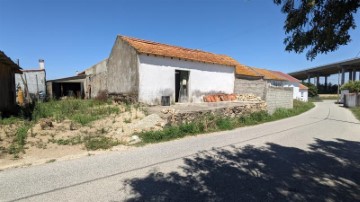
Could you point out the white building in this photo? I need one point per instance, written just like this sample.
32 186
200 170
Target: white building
34 78
150 70
300 92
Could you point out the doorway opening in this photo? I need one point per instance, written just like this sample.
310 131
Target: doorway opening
181 85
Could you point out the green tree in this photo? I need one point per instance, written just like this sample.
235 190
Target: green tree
320 26
312 91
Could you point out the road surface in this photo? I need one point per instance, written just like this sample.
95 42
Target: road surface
311 157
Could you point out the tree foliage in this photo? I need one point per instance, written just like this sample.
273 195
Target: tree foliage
312 91
320 26
352 86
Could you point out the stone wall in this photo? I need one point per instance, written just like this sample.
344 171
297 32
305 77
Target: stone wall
250 86
241 109
96 77
278 97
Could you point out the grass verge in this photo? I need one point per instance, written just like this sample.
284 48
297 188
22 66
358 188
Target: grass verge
215 123
356 112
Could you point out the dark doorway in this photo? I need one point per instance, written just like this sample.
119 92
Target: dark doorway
181 85
67 89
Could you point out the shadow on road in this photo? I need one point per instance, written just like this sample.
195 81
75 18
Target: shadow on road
329 171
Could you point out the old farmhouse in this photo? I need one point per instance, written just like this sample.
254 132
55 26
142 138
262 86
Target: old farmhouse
148 71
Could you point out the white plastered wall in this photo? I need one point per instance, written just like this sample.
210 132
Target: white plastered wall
157 78
304 96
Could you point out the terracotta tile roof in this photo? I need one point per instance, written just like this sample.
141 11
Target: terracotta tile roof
286 76
268 75
303 87
247 71
159 49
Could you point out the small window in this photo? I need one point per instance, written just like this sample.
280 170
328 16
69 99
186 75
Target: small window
302 94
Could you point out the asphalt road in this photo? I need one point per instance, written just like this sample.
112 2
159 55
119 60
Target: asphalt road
311 157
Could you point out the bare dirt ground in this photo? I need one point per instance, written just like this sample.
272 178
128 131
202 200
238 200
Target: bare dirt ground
55 141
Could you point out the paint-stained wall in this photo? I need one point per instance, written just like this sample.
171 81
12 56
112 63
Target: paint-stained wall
36 81
157 78
122 76
96 77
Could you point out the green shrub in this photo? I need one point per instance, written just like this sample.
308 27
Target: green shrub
225 123
312 89
19 140
352 86
99 142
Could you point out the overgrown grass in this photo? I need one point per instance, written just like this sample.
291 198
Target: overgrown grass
68 141
356 112
80 111
215 123
10 120
90 142
100 142
315 99
19 140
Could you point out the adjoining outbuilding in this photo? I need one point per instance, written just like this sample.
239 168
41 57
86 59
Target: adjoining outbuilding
265 84
95 79
7 84
66 87
300 91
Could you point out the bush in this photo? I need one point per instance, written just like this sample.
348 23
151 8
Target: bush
352 86
100 142
312 91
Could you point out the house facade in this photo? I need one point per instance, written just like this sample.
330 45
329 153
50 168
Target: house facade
300 92
148 71
7 84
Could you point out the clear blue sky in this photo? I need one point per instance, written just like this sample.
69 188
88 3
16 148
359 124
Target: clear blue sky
74 35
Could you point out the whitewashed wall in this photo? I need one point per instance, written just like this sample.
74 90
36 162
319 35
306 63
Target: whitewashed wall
297 93
304 96
36 81
157 78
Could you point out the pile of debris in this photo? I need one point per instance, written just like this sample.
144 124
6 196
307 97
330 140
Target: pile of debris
230 97
219 97
247 97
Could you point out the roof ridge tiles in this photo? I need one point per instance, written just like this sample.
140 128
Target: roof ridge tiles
173 46
166 50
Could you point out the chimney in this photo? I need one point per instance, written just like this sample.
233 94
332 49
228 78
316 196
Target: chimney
41 64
